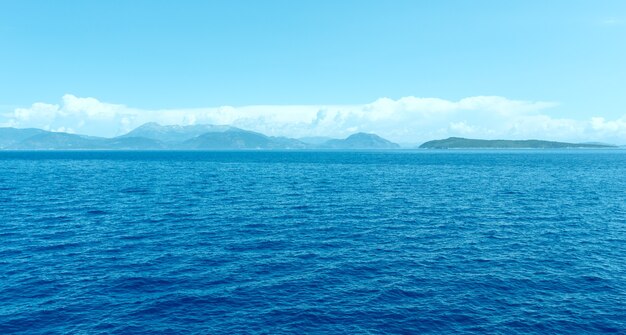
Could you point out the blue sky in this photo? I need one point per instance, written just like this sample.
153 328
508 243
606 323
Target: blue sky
178 55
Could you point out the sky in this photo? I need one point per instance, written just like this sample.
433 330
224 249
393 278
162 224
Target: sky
407 70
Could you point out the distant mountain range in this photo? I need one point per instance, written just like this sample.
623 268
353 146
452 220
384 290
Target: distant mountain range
466 143
152 136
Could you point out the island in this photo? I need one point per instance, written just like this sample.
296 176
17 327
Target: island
468 143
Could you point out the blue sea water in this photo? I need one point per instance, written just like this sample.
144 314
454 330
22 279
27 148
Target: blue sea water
499 242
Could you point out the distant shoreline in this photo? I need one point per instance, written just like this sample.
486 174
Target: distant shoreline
155 137
398 150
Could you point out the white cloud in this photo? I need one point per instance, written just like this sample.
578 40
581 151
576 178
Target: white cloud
617 127
405 120
91 107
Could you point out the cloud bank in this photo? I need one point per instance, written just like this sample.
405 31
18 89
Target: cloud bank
406 120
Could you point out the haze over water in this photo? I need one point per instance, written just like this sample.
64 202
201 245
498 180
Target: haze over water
506 242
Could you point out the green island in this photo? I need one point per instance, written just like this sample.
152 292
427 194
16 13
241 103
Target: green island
468 143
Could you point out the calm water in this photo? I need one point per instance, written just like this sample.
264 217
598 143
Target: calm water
303 242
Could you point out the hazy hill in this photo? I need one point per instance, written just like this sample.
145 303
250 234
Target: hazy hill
175 133
466 143
361 141
314 140
59 141
12 136
240 139
134 143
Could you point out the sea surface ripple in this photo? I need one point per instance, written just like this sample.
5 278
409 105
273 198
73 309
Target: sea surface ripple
505 242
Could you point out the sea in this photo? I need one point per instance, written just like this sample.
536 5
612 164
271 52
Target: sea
304 242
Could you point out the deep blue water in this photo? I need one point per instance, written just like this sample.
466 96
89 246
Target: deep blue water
313 242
